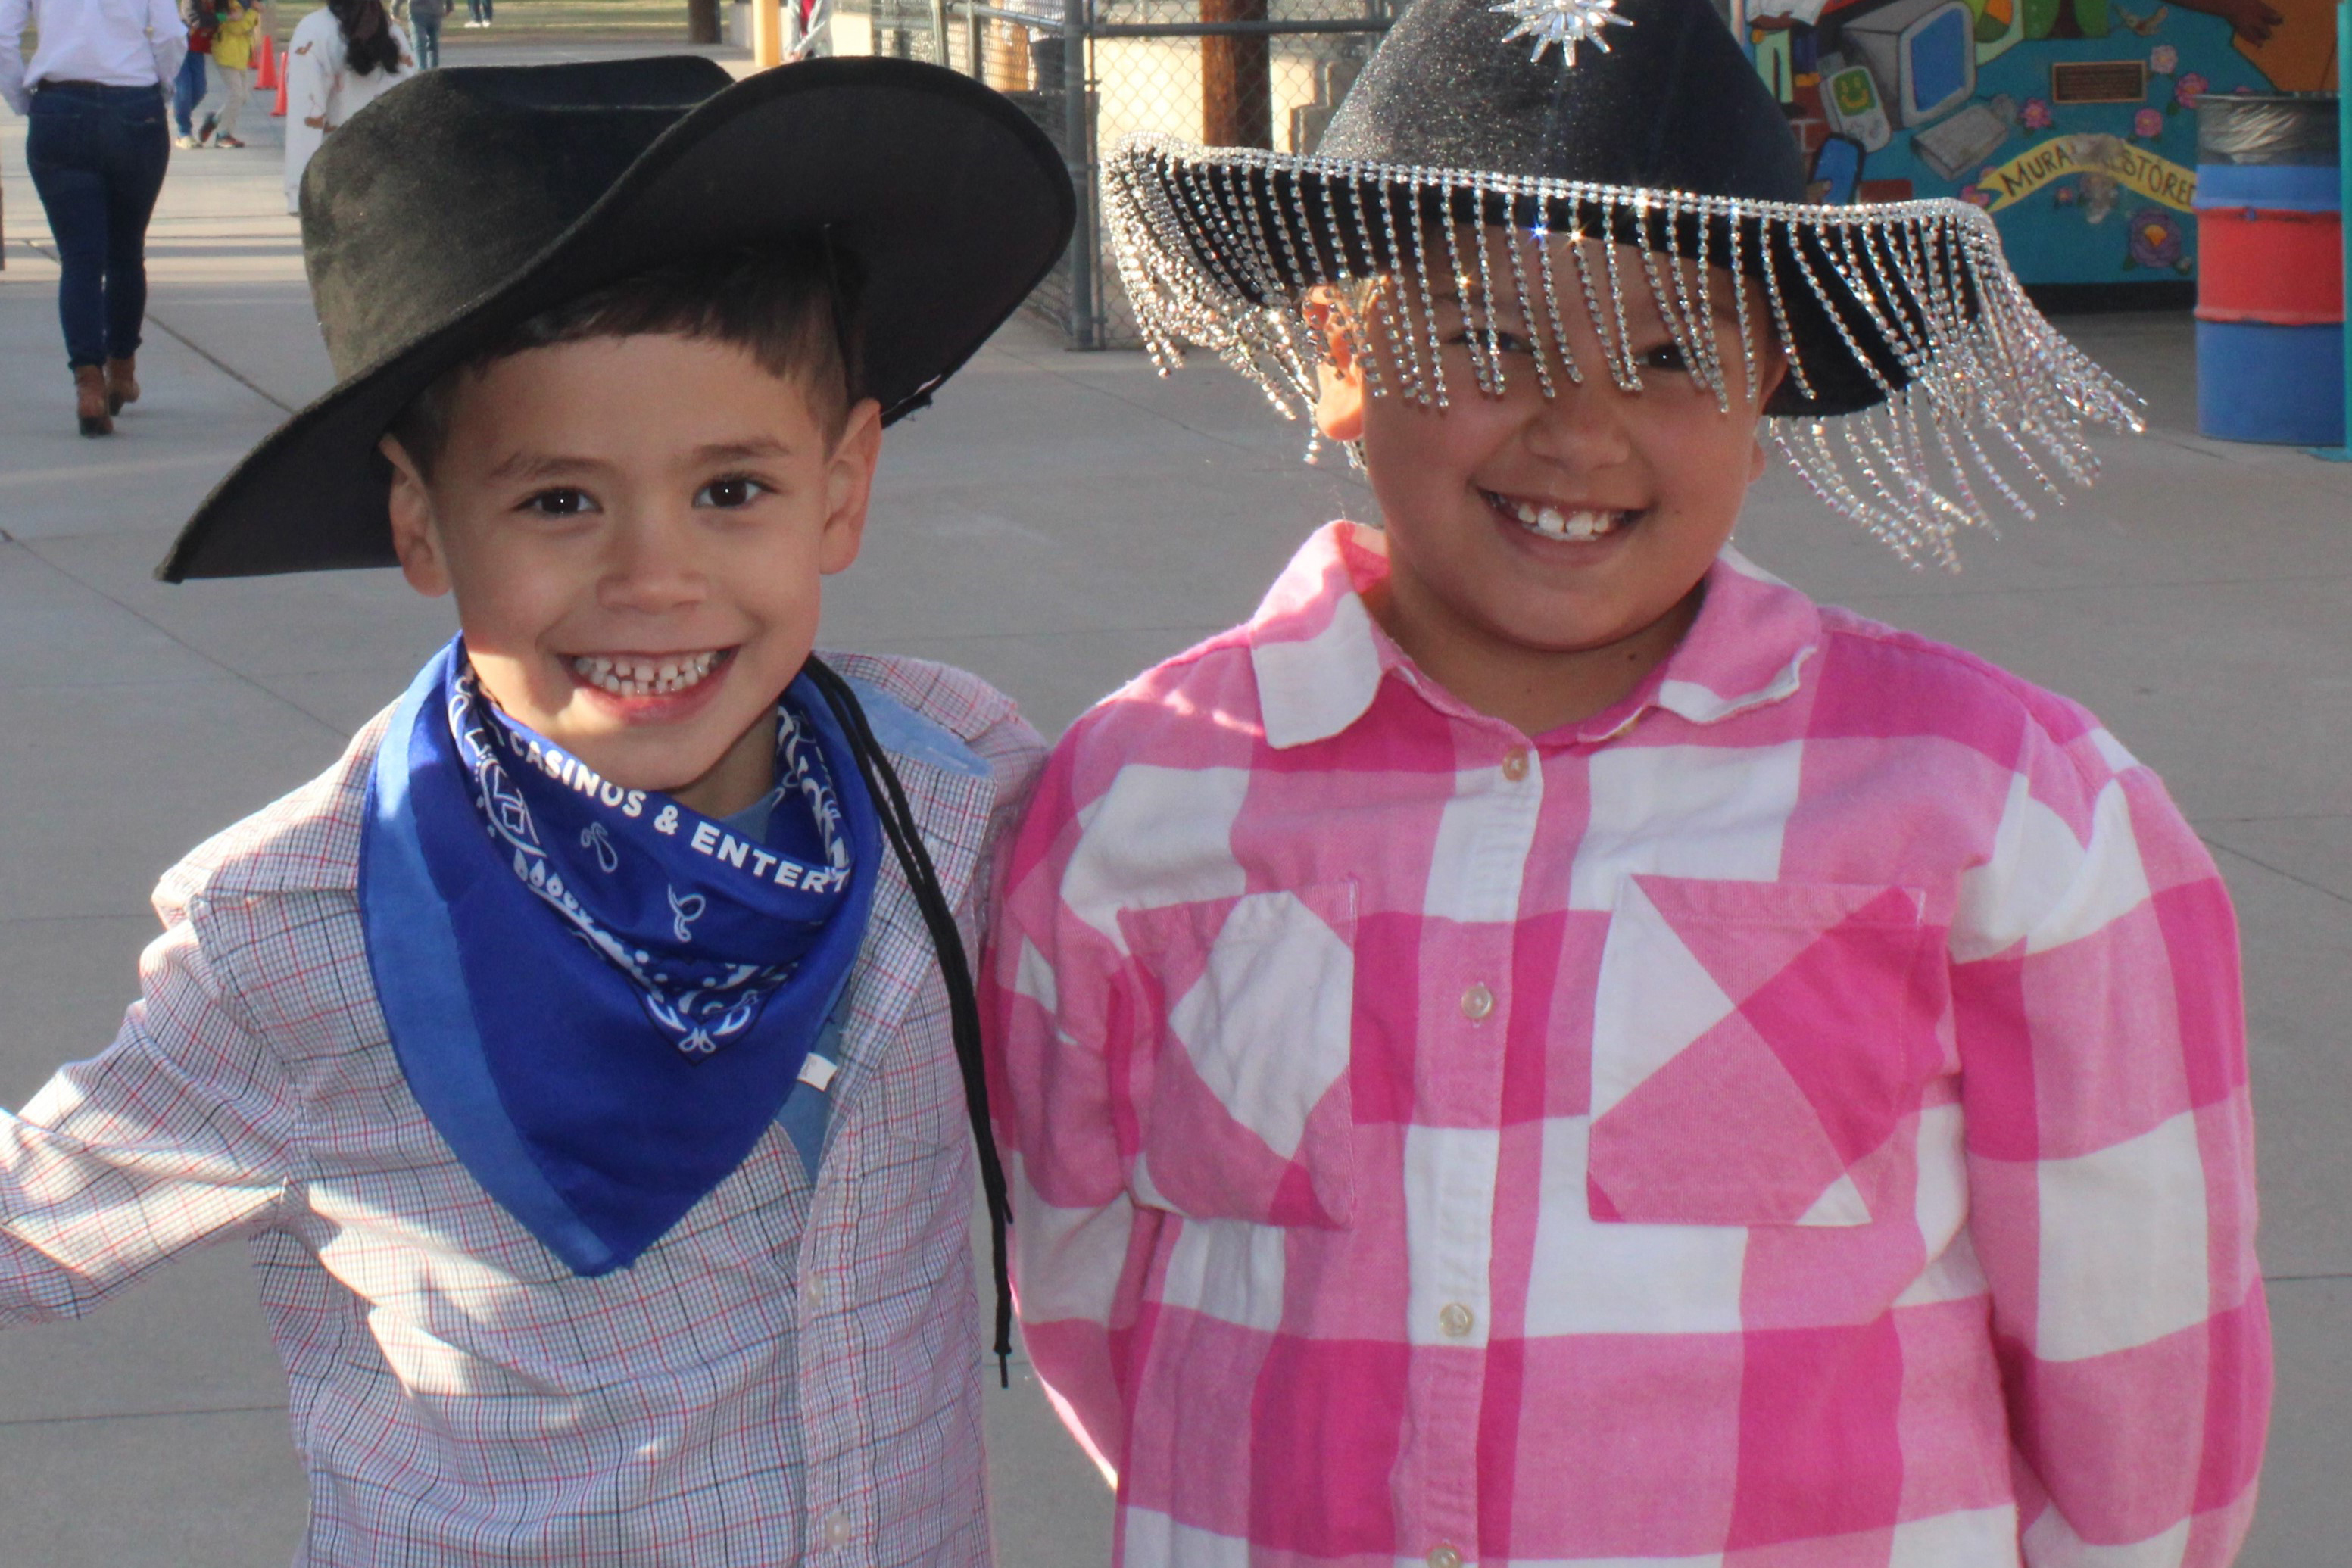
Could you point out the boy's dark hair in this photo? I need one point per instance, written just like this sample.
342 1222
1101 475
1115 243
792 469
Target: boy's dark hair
794 306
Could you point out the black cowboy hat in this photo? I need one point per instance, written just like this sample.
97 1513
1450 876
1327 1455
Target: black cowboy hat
1646 124
462 202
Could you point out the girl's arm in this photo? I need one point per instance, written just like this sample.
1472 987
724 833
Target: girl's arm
2111 1167
1066 1121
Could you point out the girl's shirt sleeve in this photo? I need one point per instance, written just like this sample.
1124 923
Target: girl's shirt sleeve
1059 1051
2111 1165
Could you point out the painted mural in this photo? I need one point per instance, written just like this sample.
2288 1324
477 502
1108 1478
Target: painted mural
2071 120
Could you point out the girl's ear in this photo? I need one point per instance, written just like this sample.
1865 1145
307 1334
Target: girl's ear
415 538
1339 380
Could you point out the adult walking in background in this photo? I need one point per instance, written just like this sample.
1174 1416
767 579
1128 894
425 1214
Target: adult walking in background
341 59
481 13
188 84
96 148
233 63
424 21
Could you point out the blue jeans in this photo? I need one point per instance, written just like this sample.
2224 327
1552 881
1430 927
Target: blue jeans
97 157
428 40
481 8
188 91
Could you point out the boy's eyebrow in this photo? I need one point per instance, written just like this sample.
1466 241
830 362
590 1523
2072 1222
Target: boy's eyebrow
545 465
756 446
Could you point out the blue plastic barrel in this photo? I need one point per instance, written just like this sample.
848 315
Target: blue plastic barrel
2270 315
2256 381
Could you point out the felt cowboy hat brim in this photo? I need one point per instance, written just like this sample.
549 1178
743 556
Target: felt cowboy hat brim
463 203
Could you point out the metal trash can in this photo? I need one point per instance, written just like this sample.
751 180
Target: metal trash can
2270 271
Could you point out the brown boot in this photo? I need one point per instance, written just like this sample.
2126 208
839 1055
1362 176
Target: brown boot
121 383
90 401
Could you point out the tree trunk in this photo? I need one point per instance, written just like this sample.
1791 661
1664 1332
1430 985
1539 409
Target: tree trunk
1236 79
701 21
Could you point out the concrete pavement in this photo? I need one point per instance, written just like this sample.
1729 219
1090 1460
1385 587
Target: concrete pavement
1057 522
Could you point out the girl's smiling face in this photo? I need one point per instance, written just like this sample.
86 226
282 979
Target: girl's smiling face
1546 552
635 529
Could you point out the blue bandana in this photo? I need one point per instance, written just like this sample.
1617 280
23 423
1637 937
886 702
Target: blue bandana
601 998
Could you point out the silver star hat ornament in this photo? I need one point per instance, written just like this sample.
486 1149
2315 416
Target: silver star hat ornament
1565 23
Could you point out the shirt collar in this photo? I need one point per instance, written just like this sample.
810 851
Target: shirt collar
1319 658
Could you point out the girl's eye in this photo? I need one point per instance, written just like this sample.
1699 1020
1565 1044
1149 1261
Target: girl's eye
1505 341
730 493
1664 357
560 503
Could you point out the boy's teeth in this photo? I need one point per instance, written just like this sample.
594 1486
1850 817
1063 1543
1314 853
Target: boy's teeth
1554 524
645 677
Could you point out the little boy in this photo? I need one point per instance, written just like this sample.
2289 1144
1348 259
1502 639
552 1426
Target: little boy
1547 1047
575 1054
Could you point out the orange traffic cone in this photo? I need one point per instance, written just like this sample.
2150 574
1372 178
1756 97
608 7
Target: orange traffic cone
279 111
265 77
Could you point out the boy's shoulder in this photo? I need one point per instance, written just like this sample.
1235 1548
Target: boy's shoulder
309 840
305 841
941 714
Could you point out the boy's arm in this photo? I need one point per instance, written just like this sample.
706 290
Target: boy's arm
179 1133
1060 1110
2111 1174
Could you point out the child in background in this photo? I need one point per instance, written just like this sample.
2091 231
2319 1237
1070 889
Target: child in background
1546 1046
233 44
584 1056
190 86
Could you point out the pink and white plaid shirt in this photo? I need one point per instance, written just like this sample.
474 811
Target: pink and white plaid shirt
1795 1119
791 1376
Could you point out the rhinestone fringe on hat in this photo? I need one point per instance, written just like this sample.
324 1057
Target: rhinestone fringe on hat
1219 247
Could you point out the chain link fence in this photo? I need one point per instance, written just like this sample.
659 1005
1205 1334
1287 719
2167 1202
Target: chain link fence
1235 73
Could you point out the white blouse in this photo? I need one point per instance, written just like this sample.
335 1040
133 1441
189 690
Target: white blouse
117 43
322 91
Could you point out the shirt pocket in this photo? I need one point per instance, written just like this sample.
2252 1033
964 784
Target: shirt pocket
1755 1048
1247 1009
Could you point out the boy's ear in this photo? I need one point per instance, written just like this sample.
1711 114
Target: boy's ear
416 539
1339 380
849 487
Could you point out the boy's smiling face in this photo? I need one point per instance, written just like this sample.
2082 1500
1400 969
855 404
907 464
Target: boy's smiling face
1545 551
635 529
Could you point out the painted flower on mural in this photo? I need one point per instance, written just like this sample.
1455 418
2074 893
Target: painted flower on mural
2035 115
2067 195
2153 239
1976 194
2149 122
2164 59
2186 89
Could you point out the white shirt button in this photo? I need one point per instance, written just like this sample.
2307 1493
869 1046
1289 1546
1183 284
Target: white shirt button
1456 1319
836 1530
1446 1557
1477 1002
813 1291
1515 764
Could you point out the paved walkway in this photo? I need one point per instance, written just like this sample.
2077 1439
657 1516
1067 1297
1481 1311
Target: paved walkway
1056 523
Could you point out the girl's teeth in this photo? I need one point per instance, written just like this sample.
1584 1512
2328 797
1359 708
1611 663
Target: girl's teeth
1554 524
645 677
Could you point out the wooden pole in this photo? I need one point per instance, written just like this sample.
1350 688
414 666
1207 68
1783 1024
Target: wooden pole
701 21
1236 79
767 34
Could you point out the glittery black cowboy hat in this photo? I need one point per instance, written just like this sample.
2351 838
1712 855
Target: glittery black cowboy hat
462 202
1640 122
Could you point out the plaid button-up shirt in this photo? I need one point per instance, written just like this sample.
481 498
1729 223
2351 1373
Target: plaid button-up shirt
791 1376
1795 1119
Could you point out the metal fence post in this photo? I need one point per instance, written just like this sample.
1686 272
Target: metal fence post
1078 152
